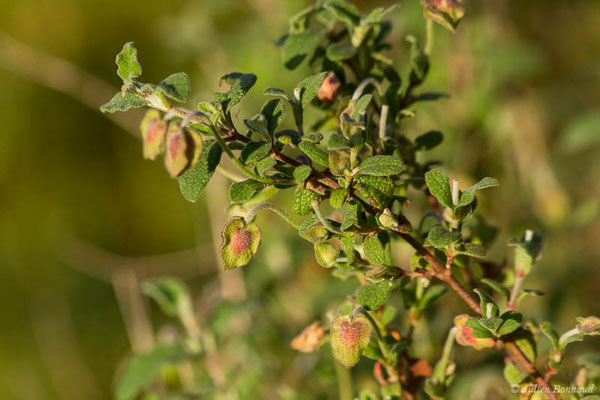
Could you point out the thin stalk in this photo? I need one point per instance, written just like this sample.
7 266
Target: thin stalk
323 220
363 85
439 373
229 175
428 37
383 121
344 380
511 305
271 207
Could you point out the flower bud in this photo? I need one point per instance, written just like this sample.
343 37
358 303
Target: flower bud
329 88
588 325
326 254
447 13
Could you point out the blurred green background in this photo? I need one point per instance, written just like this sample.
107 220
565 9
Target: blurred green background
84 219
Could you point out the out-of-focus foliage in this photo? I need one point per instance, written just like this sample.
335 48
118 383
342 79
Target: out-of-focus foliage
81 209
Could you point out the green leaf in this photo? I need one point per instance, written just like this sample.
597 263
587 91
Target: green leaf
470 249
374 251
128 67
347 242
171 295
257 124
528 292
430 295
338 197
344 12
288 136
123 103
512 374
512 320
373 295
489 308
491 324
361 106
302 173
239 243
276 92
351 216
439 186
526 343
428 141
528 250
377 14
497 287
274 112
193 181
240 192
381 166
309 88
255 151
299 46
326 254
176 86
431 96
313 152
419 61
304 198
440 238
468 195
239 84
349 337
339 162
478 330
378 189
551 334
340 51
265 166
143 369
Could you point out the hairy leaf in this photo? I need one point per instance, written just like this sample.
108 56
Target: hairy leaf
309 88
128 67
304 198
240 192
143 369
274 112
176 86
439 186
123 103
298 46
381 166
440 238
239 84
373 295
193 181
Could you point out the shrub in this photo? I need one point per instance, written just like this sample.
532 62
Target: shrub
356 158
